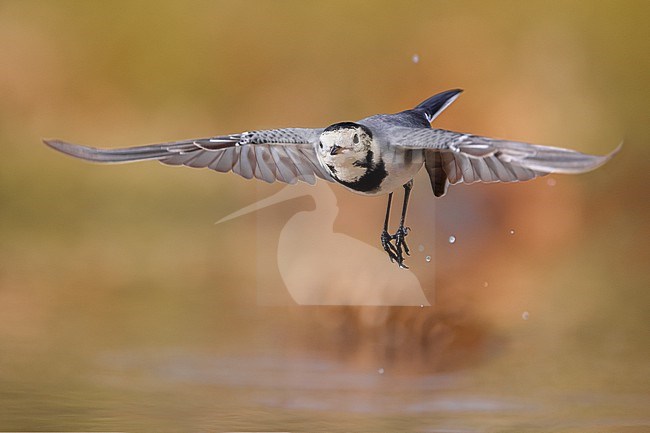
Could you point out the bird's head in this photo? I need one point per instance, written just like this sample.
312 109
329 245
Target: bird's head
345 140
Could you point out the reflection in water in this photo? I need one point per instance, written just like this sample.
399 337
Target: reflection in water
317 389
185 390
307 384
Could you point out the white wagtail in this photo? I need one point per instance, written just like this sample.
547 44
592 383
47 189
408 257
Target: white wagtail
372 156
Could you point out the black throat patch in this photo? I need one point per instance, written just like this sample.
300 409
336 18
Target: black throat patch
371 179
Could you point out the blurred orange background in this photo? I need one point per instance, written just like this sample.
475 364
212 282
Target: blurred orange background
97 261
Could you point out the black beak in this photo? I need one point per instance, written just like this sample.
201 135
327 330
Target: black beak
335 150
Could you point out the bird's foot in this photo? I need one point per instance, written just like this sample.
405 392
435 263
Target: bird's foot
386 243
400 245
397 249
400 239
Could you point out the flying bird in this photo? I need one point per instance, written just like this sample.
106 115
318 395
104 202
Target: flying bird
373 156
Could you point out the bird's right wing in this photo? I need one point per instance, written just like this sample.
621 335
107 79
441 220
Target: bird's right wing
452 157
285 155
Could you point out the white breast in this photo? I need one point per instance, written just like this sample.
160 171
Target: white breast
402 165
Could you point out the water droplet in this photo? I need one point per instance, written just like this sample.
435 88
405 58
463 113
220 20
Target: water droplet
485 284
525 315
551 182
380 371
415 58
421 248
512 231
427 258
452 239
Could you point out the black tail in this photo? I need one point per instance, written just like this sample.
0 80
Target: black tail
437 103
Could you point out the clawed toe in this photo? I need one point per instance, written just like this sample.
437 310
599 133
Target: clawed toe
395 245
400 239
386 243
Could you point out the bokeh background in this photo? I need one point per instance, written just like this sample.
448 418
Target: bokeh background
124 308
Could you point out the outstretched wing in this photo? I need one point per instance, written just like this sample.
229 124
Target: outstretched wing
284 155
452 157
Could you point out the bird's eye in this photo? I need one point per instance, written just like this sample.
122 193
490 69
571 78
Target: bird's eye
355 139
320 144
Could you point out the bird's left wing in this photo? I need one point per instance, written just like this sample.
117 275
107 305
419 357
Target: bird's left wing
452 157
286 155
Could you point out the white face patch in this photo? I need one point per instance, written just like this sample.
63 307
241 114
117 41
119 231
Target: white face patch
344 152
343 138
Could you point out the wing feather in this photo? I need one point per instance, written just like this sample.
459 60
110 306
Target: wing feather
302 164
450 167
227 160
264 171
466 168
242 165
481 169
284 165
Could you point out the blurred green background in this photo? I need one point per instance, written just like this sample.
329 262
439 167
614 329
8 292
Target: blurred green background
124 308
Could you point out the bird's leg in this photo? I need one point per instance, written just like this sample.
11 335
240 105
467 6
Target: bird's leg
400 234
396 250
385 237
